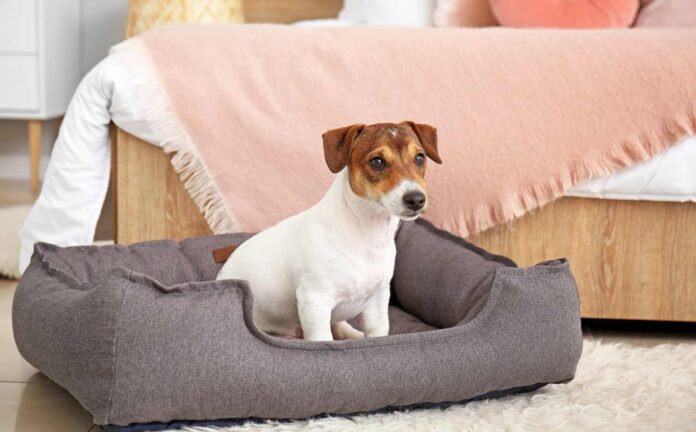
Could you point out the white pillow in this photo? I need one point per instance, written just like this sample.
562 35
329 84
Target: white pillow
354 11
412 13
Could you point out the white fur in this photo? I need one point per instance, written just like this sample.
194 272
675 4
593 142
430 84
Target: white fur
393 200
324 266
617 387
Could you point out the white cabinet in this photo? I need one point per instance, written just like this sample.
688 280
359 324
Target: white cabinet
39 57
19 92
18 26
40 62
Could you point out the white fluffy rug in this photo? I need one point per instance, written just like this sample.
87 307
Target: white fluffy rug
11 220
617 387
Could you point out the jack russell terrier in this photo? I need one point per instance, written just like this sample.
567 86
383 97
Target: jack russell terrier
312 272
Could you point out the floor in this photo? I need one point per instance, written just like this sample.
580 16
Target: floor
29 402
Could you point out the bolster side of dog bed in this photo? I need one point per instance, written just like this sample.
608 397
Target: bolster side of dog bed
67 330
448 282
537 333
194 354
439 277
126 346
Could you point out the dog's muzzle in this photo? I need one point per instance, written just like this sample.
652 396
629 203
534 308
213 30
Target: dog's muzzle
414 200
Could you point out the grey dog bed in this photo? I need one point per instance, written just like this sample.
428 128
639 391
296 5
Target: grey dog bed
143 333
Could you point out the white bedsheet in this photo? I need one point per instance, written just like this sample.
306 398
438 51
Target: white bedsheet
123 88
669 176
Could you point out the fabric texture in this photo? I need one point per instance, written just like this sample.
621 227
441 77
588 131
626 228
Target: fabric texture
464 13
143 333
125 88
146 14
572 14
668 13
411 13
266 424
446 302
668 176
74 187
354 11
580 105
617 387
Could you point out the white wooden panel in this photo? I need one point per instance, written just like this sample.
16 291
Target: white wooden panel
18 89
18 26
59 54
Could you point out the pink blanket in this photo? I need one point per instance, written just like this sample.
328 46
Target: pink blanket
522 114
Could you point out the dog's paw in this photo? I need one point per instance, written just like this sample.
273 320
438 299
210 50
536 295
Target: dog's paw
344 331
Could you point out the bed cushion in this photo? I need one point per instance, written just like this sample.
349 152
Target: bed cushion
143 333
583 14
458 277
667 13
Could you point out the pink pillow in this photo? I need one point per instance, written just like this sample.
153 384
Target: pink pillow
667 13
464 13
582 14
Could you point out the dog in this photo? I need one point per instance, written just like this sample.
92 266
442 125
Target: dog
312 272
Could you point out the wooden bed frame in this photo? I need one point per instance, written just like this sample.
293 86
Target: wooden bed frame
632 259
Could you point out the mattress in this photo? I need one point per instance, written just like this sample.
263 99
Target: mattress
121 89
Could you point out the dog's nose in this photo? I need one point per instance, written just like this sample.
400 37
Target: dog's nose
414 200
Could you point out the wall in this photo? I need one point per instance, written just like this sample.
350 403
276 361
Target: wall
103 25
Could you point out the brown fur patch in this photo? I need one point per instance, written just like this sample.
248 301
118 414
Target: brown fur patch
398 145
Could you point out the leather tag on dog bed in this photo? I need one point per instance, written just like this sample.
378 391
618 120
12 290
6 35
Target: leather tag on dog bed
221 255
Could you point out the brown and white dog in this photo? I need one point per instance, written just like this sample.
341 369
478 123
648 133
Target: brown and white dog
312 272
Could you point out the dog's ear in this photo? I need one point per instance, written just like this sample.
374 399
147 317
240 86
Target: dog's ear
337 144
428 138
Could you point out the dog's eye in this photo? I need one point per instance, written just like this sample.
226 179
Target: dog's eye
420 159
378 163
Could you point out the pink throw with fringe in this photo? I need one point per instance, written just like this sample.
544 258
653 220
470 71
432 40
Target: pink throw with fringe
521 114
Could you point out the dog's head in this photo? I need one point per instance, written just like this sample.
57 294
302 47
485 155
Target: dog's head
386 163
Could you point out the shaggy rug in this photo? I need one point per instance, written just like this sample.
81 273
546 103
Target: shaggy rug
11 220
618 387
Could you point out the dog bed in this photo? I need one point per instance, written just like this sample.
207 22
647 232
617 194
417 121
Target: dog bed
143 333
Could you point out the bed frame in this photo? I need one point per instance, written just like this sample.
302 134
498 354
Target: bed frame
632 259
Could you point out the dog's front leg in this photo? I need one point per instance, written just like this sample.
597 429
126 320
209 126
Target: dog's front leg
314 310
375 318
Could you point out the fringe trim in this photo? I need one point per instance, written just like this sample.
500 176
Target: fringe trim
200 183
187 161
531 197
